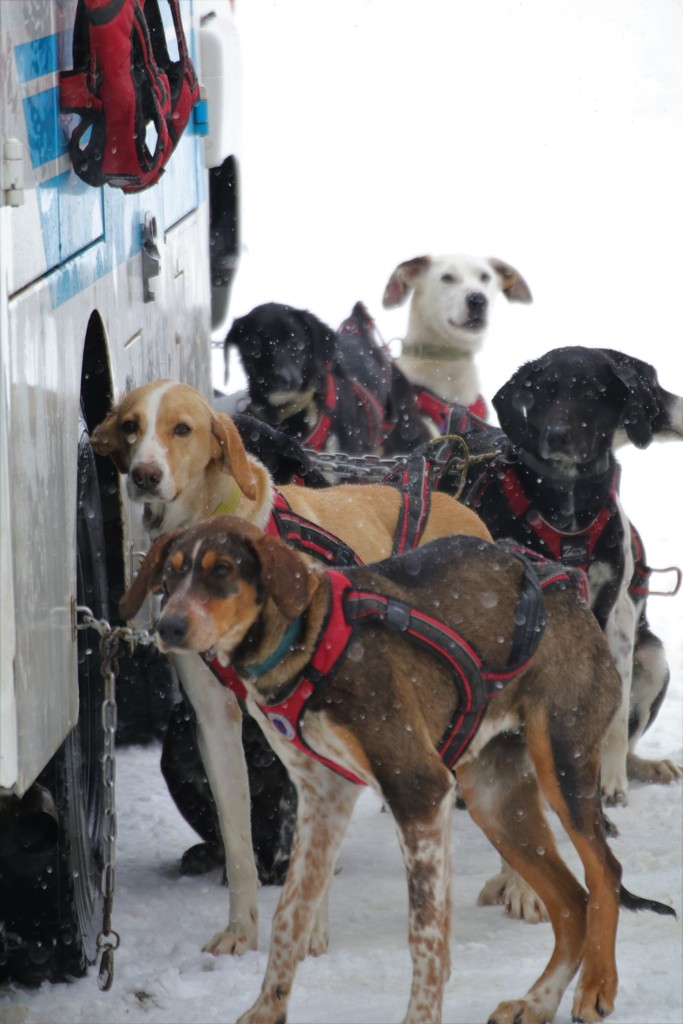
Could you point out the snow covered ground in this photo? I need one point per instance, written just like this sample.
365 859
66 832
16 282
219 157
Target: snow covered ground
163 978
375 130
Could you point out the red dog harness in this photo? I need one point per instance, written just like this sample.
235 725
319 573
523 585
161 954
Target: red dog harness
307 536
475 682
321 431
573 548
124 80
439 412
378 427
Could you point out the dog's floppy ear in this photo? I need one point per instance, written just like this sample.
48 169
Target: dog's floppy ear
105 440
643 401
286 577
402 281
322 337
149 576
512 401
227 448
513 285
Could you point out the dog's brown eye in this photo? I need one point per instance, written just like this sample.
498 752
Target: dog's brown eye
182 429
176 568
129 427
222 570
448 278
485 277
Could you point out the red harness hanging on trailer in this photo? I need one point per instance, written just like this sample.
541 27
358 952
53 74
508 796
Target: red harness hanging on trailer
133 100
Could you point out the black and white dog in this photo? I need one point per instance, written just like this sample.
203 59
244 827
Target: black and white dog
553 485
298 380
557 491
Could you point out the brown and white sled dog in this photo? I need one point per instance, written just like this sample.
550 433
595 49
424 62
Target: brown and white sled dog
186 463
388 697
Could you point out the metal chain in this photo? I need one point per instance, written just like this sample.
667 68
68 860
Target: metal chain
101 626
108 940
373 468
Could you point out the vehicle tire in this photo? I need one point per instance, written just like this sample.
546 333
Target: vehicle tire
58 909
80 782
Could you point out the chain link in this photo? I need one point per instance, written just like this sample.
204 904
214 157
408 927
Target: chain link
111 637
373 468
108 940
101 626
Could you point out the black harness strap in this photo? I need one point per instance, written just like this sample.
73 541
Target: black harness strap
416 478
475 681
412 480
368 403
308 536
460 659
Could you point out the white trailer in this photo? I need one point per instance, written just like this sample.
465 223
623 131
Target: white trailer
99 292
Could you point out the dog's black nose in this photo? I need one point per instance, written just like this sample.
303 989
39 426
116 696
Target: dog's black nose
172 630
476 302
558 438
146 476
282 380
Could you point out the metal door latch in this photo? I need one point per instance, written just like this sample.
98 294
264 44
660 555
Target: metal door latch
13 172
151 257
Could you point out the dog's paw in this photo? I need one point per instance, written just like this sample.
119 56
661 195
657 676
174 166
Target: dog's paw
593 1001
662 772
231 943
264 1012
614 796
613 782
519 899
611 830
319 938
202 857
519 1011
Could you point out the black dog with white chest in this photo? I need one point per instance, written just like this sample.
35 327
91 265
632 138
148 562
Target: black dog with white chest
298 381
556 490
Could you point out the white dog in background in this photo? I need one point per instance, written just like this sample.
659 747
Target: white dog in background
449 314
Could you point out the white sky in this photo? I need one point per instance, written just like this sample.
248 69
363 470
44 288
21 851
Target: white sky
547 134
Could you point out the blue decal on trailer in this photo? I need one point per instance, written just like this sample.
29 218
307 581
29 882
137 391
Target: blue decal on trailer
41 113
64 237
37 58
